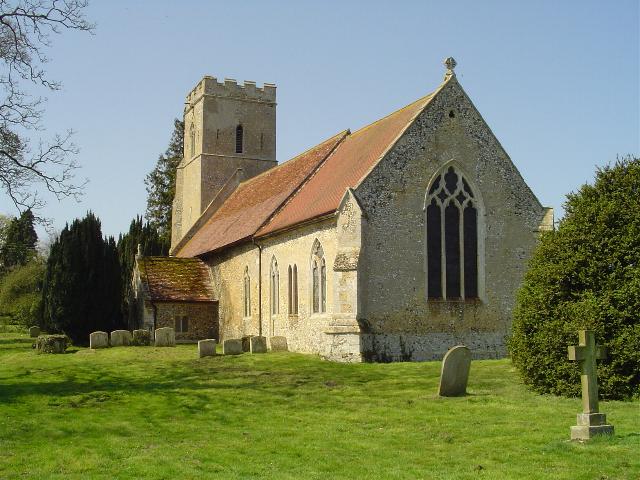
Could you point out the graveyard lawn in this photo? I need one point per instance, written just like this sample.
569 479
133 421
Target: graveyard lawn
147 412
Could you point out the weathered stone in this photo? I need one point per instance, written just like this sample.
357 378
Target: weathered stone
246 343
120 338
141 338
165 337
34 332
233 346
278 344
52 343
258 344
206 348
455 372
98 340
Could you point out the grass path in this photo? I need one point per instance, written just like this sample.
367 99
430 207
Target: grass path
131 413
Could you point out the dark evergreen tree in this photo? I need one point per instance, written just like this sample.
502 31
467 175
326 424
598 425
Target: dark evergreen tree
20 241
82 285
161 184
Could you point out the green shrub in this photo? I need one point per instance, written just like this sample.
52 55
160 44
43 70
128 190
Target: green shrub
20 293
585 275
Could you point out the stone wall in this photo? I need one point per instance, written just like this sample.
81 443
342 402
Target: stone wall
202 318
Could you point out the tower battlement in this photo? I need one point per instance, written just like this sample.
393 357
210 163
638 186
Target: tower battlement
230 88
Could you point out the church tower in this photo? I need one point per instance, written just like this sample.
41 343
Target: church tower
227 127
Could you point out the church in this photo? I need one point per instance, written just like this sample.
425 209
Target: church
394 242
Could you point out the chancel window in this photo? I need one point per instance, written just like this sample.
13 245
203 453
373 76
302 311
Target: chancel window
239 138
318 279
275 287
452 237
247 293
293 290
181 324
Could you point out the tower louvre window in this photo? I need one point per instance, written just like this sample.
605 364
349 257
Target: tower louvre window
239 139
452 237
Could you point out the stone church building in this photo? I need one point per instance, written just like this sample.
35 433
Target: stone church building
393 242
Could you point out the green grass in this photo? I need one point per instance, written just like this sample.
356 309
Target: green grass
144 412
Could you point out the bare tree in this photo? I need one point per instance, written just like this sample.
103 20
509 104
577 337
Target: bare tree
27 162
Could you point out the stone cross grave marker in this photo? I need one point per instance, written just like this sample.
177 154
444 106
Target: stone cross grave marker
590 422
455 372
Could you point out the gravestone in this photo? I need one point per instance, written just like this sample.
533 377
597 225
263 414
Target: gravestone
455 372
278 344
246 343
34 332
141 338
258 344
51 343
120 338
98 340
233 346
590 422
206 348
165 337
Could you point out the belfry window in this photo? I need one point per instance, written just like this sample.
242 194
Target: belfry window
452 237
247 293
318 279
239 139
275 287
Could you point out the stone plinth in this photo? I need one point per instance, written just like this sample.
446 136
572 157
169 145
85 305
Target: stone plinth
279 344
233 346
258 344
455 372
34 332
120 338
165 337
141 338
589 425
51 343
98 340
206 348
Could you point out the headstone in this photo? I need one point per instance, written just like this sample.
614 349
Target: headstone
98 340
258 344
206 348
51 343
233 346
246 343
590 422
455 372
165 337
34 332
278 344
141 338
120 338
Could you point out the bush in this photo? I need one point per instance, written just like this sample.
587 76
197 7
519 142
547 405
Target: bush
20 294
585 275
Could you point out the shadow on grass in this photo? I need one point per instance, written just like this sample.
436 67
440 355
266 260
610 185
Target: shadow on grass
9 341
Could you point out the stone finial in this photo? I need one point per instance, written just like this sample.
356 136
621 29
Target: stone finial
450 63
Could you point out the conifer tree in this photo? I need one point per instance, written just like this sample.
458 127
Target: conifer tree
20 241
161 184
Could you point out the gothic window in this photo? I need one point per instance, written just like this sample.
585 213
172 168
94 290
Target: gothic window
181 324
239 138
452 237
275 287
319 279
247 293
293 290
192 141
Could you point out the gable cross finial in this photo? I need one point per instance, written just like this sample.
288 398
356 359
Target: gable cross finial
450 63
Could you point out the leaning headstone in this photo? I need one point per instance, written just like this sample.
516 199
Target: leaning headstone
120 338
52 343
34 332
206 348
98 340
258 344
233 346
455 372
141 338
279 344
165 337
246 343
590 422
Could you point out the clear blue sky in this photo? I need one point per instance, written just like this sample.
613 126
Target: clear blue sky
557 81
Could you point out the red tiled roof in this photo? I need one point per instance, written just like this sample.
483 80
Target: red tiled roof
175 279
255 200
345 167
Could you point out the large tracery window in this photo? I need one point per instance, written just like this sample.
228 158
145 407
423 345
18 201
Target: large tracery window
452 237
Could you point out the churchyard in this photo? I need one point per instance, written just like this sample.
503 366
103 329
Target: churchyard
147 412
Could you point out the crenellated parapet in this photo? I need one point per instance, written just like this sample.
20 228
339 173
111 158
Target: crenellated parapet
230 88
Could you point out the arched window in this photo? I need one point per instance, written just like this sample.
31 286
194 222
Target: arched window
293 290
319 279
239 138
247 293
192 140
275 287
452 237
